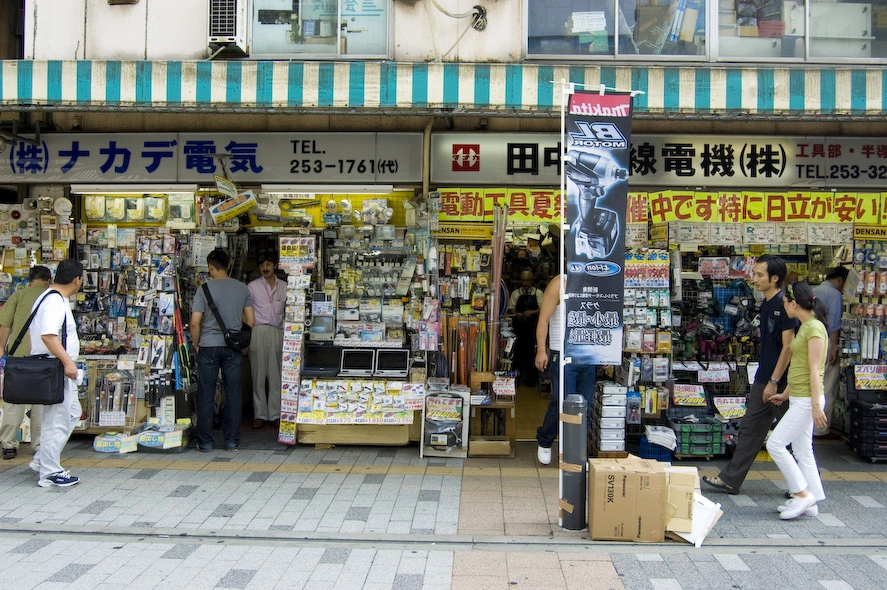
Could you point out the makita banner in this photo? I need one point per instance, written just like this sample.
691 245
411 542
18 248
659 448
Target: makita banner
598 131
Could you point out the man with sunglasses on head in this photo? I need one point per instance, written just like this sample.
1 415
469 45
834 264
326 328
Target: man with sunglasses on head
777 332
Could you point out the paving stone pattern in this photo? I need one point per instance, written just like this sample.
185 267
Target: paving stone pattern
374 518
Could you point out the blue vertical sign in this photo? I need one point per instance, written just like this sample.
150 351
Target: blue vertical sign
598 131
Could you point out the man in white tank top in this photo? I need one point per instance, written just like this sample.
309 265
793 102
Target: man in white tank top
577 378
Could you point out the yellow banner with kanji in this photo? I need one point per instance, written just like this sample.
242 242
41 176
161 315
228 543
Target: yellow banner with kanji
760 207
730 206
538 205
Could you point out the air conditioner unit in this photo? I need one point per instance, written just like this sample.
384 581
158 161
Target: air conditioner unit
228 24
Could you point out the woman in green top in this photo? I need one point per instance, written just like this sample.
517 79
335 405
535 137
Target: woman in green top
804 392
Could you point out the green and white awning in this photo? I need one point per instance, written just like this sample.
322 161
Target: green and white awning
494 89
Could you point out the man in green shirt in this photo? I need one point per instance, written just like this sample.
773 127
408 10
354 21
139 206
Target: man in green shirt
13 315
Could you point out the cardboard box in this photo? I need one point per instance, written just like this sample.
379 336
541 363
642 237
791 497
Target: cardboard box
626 500
683 485
748 31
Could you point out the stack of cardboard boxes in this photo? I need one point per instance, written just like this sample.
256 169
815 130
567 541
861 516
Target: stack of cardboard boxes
642 500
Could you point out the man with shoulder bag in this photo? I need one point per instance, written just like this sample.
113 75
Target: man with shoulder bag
13 316
53 317
220 336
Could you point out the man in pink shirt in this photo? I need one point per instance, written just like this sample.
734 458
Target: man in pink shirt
265 350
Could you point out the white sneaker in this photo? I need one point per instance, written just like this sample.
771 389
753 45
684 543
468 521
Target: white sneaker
62 479
812 511
797 506
544 455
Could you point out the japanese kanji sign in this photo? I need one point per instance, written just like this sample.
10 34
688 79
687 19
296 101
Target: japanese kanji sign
524 204
665 161
191 157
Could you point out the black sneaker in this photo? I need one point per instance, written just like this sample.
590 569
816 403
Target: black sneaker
10 453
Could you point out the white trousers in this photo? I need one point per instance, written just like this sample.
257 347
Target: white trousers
59 421
830 384
796 429
265 350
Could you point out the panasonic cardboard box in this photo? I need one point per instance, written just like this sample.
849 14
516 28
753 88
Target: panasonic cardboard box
626 500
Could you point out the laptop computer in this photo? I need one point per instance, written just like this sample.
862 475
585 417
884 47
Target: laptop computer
393 364
357 362
321 360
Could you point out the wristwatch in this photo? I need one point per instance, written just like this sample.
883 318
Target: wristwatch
774 381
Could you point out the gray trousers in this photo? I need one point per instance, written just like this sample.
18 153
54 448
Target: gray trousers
752 431
265 352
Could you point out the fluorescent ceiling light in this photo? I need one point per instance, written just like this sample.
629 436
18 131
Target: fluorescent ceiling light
328 189
131 189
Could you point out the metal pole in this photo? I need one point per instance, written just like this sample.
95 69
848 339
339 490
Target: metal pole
575 463
566 90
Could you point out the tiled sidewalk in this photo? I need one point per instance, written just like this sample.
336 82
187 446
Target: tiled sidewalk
355 517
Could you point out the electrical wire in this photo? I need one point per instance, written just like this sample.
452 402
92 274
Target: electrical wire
449 14
478 16
447 52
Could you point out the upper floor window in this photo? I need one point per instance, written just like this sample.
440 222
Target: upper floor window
715 30
288 28
620 28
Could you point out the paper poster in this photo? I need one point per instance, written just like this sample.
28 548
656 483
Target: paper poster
791 233
726 234
730 407
596 167
689 395
822 234
722 376
693 233
759 233
636 235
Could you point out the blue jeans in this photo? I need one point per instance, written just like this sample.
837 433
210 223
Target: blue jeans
209 360
577 379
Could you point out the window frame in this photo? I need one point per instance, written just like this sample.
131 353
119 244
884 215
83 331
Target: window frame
712 54
325 56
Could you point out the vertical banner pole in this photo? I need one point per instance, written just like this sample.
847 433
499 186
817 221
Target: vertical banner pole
566 91
596 130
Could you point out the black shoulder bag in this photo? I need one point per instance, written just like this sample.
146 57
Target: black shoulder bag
37 379
239 340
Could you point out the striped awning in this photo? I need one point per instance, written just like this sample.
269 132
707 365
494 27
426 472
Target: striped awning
494 89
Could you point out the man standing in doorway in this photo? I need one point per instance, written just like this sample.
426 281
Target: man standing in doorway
235 305
54 317
266 347
777 333
831 293
13 316
525 303
578 378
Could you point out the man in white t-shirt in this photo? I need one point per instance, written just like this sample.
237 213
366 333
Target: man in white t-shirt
54 318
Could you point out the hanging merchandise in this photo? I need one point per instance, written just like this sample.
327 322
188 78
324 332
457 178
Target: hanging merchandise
297 258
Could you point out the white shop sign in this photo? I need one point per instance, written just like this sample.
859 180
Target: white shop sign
291 158
745 161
